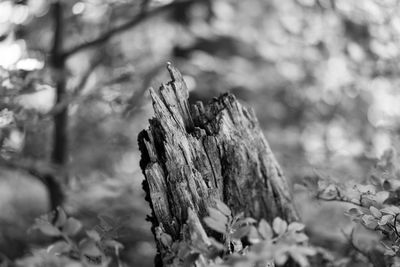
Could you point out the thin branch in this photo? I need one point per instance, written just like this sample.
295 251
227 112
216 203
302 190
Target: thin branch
137 96
339 198
127 25
68 99
85 77
29 165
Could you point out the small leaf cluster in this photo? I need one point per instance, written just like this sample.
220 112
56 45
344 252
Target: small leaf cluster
384 221
90 250
266 244
376 202
357 194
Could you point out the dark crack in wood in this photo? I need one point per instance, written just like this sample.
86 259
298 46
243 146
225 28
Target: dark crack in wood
194 155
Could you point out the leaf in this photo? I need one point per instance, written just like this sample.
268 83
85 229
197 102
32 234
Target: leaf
248 220
310 182
366 188
370 221
300 237
166 239
223 207
375 212
296 227
367 200
253 235
393 210
93 234
218 216
106 222
89 247
298 257
46 228
280 255
381 196
385 219
279 226
113 244
241 232
61 217
265 230
72 226
59 248
216 244
215 225
238 216
309 251
299 254
394 184
390 253
242 222
353 211
375 179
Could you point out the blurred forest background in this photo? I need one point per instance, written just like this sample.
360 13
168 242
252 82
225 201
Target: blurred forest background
322 75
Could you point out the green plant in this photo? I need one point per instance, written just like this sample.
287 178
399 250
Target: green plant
244 242
95 248
265 244
376 203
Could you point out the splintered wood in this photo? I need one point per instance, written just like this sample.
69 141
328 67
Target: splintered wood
193 155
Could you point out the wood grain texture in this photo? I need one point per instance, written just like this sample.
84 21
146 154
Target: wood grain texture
193 155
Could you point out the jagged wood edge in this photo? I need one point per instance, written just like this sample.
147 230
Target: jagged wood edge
170 104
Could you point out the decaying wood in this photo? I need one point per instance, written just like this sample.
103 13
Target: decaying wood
193 155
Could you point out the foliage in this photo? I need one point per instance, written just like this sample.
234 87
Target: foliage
375 203
322 75
267 244
244 242
95 248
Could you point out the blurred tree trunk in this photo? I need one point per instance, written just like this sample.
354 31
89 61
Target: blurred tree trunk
60 142
213 151
60 119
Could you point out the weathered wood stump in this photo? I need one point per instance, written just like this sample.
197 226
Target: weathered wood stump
193 155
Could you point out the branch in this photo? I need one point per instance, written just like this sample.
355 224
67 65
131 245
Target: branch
85 76
30 165
76 96
73 97
127 25
341 200
136 99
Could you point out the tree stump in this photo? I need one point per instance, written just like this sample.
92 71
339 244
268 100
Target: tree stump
194 155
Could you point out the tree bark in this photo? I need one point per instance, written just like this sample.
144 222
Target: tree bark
191 156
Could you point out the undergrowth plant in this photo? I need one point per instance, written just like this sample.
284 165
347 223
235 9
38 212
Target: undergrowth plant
251 243
375 205
72 247
243 241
